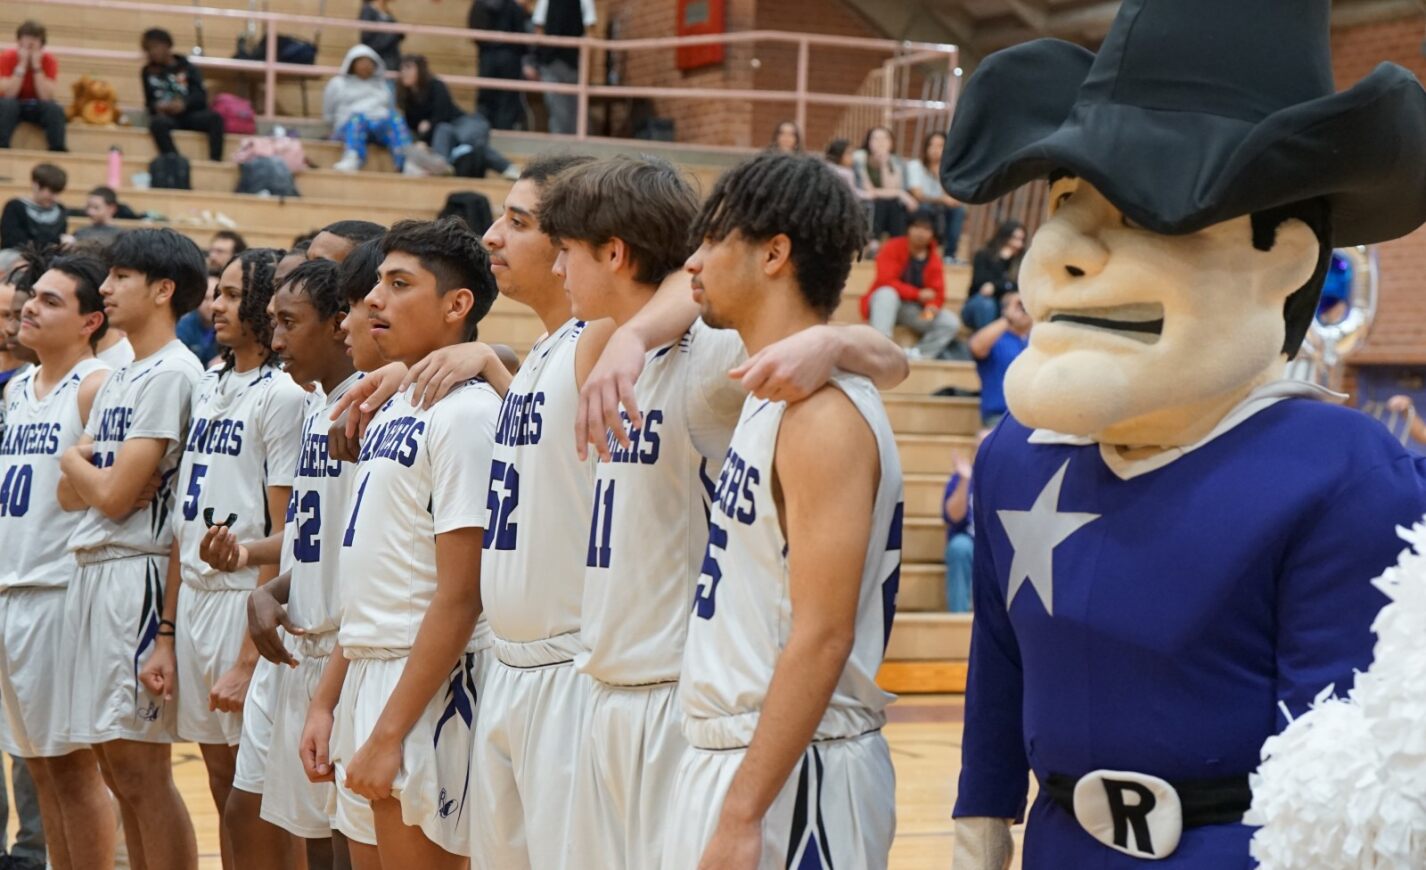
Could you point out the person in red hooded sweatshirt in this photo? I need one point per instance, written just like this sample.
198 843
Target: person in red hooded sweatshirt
910 289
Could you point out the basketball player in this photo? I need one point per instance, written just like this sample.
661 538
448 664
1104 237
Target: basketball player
786 765
47 409
237 471
620 224
401 740
305 313
136 430
310 314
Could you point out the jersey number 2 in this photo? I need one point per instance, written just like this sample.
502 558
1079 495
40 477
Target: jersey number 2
308 546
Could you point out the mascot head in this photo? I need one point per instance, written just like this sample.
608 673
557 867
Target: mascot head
1202 168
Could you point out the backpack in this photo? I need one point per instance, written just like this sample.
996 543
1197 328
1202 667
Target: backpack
237 113
267 175
472 208
170 171
284 148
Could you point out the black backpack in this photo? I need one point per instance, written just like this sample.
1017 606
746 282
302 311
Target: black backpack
266 175
170 171
471 207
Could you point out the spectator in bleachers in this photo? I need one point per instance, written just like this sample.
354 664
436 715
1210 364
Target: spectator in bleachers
175 97
385 43
995 347
434 118
38 219
786 138
923 181
560 65
882 175
361 109
993 274
336 240
28 76
500 60
910 289
102 206
956 505
195 329
225 245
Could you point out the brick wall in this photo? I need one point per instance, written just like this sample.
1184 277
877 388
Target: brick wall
1399 332
765 66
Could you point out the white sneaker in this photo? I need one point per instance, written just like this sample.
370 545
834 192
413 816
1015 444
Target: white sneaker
412 169
350 162
512 173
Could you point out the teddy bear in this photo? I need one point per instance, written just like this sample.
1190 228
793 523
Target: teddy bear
95 102
1174 541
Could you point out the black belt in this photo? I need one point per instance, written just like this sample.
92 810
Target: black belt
1204 801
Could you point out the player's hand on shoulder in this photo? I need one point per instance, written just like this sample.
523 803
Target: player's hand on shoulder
265 616
315 745
221 551
734 846
789 370
231 689
609 385
432 379
365 397
373 768
159 673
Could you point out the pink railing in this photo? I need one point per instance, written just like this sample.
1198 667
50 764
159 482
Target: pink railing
892 105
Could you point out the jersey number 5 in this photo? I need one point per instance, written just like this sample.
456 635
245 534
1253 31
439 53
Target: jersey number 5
502 500
704 603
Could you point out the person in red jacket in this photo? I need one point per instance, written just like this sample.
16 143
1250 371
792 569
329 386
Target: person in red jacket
910 289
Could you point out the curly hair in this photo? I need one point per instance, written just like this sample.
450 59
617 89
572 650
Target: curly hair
321 281
259 270
798 196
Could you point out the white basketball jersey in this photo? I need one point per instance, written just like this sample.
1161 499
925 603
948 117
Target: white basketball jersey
532 573
148 398
649 525
742 613
243 439
420 473
321 503
120 354
34 531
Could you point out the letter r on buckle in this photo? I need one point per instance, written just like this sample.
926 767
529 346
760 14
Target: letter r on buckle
1133 813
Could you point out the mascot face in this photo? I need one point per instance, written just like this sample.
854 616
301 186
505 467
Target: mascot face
1143 339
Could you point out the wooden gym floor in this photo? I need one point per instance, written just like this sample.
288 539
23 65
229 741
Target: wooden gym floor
925 736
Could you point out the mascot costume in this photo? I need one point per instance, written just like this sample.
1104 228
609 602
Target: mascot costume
1174 543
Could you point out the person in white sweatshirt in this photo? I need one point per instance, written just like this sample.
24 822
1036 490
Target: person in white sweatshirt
359 105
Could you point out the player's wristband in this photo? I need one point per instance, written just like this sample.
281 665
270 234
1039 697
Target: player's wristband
168 622
169 633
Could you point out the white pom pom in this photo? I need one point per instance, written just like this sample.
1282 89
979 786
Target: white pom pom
1341 788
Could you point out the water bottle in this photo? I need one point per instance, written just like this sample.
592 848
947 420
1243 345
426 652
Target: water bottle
116 167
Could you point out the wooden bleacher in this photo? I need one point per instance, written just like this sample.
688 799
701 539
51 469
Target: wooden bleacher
928 647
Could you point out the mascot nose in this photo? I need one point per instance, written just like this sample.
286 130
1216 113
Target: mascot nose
1062 244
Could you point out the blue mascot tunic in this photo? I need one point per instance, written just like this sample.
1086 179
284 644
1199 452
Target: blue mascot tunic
1153 617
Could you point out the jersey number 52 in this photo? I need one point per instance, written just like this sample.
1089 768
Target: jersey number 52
502 500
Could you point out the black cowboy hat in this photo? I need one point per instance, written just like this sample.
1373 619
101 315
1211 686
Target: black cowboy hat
1199 111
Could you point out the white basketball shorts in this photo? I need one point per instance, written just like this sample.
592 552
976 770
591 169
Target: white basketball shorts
435 776
36 666
111 620
291 801
211 628
837 809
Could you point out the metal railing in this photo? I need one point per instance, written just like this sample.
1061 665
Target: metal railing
891 104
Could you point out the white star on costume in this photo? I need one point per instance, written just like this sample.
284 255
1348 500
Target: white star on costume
1034 534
